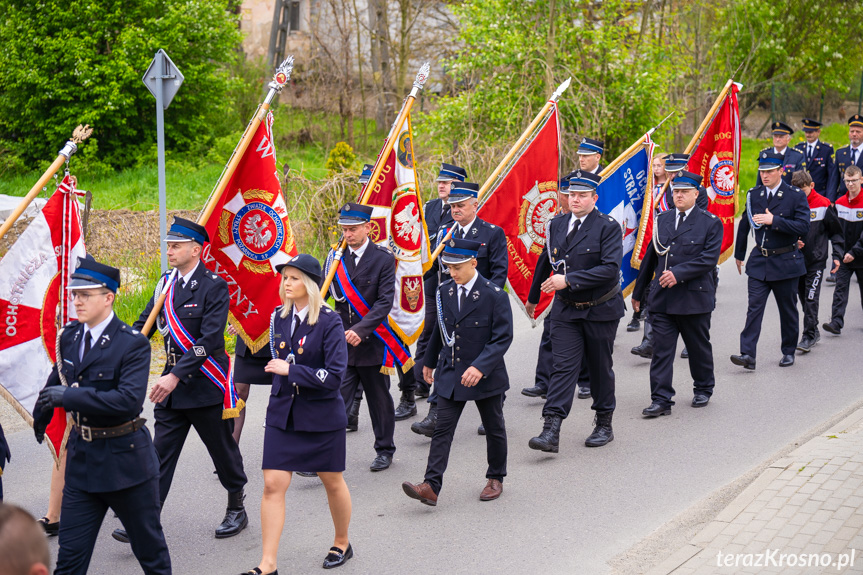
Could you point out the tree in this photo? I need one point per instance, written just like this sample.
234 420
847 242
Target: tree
69 63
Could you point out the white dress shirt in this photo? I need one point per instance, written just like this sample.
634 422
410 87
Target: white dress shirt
95 332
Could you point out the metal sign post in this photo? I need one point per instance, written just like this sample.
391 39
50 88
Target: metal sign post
163 79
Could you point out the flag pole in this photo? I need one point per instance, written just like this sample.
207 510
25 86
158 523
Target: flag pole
419 82
280 78
509 155
696 137
614 164
80 134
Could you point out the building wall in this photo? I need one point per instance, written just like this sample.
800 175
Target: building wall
256 22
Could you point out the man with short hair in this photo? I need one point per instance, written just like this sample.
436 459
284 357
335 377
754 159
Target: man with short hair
590 155
823 224
848 256
475 323
100 379
792 160
850 155
679 264
586 251
778 215
371 271
193 389
492 261
818 155
23 547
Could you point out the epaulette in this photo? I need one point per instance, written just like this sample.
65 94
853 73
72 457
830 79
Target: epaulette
443 283
127 329
326 309
383 248
610 219
72 322
711 214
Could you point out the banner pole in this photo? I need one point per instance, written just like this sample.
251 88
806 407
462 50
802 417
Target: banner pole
419 82
80 134
281 77
509 155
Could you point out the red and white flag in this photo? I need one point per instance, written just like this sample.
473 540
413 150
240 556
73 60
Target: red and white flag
398 224
33 304
522 204
250 234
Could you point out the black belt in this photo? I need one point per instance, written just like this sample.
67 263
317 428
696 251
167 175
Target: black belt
777 251
88 433
589 304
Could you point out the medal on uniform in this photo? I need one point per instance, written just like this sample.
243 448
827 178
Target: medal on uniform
300 345
282 345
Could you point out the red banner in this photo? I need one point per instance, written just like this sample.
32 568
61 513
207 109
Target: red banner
249 235
523 203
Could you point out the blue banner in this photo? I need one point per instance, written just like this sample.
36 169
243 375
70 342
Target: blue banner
621 196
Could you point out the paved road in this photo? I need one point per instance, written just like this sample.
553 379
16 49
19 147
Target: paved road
568 513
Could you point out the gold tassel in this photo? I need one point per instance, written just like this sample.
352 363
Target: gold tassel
234 412
408 365
388 370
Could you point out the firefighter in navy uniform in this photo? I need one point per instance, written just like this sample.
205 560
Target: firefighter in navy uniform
791 160
823 224
492 262
850 155
818 155
111 462
680 265
184 396
778 215
475 323
587 249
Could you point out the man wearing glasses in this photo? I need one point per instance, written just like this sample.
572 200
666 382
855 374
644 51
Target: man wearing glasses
849 208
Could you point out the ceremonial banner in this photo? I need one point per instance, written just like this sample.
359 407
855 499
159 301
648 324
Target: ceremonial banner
522 204
623 194
717 160
33 303
398 223
250 234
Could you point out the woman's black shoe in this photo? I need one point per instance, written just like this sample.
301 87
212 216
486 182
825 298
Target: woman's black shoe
257 571
51 529
336 557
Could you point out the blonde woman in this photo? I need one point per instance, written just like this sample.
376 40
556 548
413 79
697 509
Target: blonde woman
306 416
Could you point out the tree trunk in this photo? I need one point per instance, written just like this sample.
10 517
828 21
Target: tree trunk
380 56
550 48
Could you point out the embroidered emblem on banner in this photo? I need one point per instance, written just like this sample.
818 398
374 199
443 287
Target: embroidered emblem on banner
537 208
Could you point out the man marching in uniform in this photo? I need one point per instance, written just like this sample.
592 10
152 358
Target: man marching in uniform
492 261
680 265
818 155
196 388
364 288
791 160
823 223
778 215
850 155
100 379
475 323
585 251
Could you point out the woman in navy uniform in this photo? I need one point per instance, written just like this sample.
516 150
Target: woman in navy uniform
306 416
475 322
111 462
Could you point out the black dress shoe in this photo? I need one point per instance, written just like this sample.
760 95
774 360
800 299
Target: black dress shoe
746 361
684 354
787 360
633 325
405 409
644 350
583 392
831 279
336 557
656 409
421 393
806 343
120 535
257 571
51 529
427 425
307 474
535 391
700 400
480 430
602 432
381 462
832 327
235 519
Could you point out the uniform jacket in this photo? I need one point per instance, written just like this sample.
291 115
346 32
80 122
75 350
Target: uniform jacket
693 252
850 213
375 279
794 160
542 269
823 224
109 390
483 333
202 306
790 222
592 263
820 166
311 392
836 188
491 259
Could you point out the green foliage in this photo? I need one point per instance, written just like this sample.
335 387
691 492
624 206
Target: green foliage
70 63
341 158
